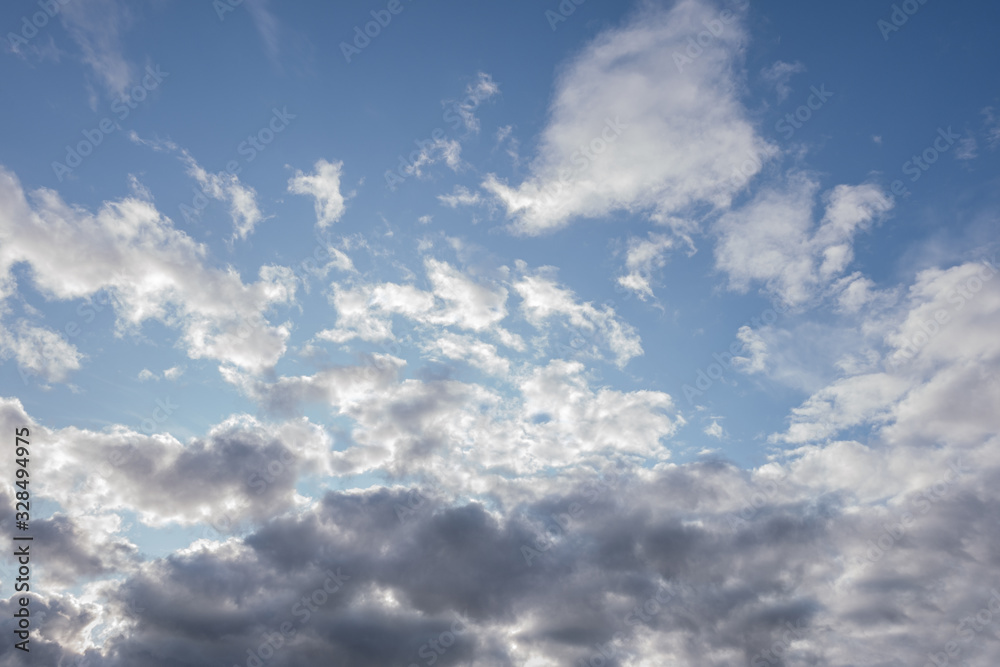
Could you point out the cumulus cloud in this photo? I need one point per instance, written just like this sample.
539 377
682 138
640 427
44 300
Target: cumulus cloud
172 373
633 129
324 185
454 299
229 475
475 491
774 240
756 346
428 427
642 257
160 274
593 328
477 353
856 291
553 525
930 343
630 571
40 351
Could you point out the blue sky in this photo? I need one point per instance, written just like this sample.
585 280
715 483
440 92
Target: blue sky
481 254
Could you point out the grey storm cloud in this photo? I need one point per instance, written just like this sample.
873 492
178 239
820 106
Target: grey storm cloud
677 560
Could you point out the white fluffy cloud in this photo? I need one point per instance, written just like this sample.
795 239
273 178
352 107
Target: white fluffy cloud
478 469
642 257
163 480
756 346
365 310
543 299
512 485
478 353
938 344
160 273
634 128
324 185
40 351
774 240
463 434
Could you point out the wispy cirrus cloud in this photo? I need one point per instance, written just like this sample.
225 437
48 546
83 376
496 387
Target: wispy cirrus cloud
97 27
